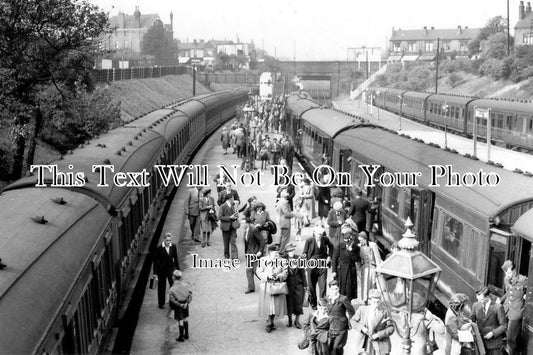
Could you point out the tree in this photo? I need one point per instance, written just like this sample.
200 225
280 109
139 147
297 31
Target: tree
272 64
221 61
495 25
159 43
43 42
494 47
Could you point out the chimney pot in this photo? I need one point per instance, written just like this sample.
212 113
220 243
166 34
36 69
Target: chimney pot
521 11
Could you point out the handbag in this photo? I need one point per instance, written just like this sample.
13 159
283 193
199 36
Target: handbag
236 224
276 288
431 345
211 215
152 285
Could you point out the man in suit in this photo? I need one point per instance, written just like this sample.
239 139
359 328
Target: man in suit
374 323
165 262
336 218
317 247
192 210
358 211
254 243
490 319
228 191
338 307
513 303
228 216
345 256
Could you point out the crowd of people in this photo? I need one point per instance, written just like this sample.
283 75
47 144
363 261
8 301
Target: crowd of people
341 223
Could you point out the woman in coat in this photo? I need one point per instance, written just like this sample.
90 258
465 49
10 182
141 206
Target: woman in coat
307 193
316 329
269 271
296 283
258 218
456 320
208 216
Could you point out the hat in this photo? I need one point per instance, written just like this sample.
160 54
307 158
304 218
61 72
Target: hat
374 294
346 228
362 235
290 247
337 206
206 190
177 274
508 264
259 204
272 247
318 230
483 291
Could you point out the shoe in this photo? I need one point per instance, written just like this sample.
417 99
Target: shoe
314 308
203 245
197 240
208 244
180 339
268 328
289 325
248 291
297 325
161 306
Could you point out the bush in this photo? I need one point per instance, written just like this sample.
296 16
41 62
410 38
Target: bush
495 68
6 159
419 79
454 79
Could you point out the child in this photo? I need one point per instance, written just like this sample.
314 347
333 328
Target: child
179 297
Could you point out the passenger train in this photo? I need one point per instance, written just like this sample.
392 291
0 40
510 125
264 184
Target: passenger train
71 252
511 122
469 231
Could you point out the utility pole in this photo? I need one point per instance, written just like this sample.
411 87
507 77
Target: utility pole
193 81
508 32
437 68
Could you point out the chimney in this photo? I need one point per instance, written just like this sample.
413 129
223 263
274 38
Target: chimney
123 19
521 11
137 15
171 21
432 27
426 29
459 30
528 8
195 43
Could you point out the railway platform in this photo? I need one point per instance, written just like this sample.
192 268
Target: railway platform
223 319
510 160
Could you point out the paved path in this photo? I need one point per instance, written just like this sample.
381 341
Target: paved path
510 159
223 320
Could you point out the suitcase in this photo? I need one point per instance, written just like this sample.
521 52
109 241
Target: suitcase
152 285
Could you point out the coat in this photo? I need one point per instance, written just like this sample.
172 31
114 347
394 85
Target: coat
253 241
358 210
192 202
377 323
316 330
337 313
493 321
271 304
224 215
335 222
427 327
323 198
223 193
285 214
296 282
224 138
311 248
343 262
513 300
165 263
206 205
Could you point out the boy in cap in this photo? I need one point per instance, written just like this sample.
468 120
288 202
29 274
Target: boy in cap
179 297
375 324
490 319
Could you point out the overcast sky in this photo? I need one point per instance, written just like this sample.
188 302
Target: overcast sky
321 29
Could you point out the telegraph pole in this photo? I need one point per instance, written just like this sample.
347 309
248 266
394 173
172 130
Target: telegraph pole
437 68
193 80
508 32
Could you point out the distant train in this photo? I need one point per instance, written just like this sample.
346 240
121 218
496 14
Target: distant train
469 231
511 121
71 252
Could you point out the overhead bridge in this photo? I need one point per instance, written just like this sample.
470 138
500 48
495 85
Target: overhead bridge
314 77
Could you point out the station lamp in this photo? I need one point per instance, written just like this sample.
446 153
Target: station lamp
406 280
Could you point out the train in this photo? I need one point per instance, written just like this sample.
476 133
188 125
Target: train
511 121
71 250
469 216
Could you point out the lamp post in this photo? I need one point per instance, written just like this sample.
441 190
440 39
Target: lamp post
445 108
401 107
406 280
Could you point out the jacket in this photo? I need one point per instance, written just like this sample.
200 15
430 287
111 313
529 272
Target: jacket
493 321
192 202
254 241
377 323
285 214
224 215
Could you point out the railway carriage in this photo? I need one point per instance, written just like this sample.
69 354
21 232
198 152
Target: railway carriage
71 252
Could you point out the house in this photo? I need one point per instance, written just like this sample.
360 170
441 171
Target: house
198 52
129 30
409 45
523 30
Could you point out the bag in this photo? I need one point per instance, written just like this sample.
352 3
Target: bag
276 288
271 227
212 216
152 285
236 224
306 298
431 345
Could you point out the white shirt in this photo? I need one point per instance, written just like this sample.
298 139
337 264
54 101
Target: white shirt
167 248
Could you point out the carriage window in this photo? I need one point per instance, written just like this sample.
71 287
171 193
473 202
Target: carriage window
452 234
474 263
457 112
394 199
406 201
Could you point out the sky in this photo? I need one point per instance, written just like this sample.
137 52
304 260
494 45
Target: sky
312 30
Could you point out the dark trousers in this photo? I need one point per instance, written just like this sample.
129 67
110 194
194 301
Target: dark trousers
337 342
514 328
161 287
314 277
361 226
195 226
250 272
230 238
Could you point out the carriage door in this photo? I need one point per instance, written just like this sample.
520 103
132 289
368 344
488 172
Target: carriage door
422 203
497 256
519 253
